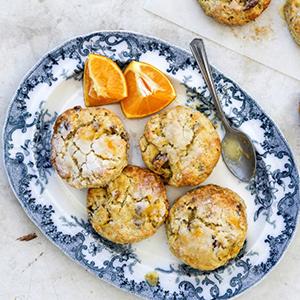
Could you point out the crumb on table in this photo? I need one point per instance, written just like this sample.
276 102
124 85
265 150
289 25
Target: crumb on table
261 32
27 237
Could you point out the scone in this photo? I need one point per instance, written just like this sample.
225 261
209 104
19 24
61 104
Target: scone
130 208
292 16
207 227
181 145
89 146
234 12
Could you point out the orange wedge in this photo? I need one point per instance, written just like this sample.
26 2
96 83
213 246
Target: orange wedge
149 90
103 81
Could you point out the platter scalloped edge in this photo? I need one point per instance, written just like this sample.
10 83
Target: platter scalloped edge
122 259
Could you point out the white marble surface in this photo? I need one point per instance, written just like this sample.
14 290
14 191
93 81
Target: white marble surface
260 40
37 269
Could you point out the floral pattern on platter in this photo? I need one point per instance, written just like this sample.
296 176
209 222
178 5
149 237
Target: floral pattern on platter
27 136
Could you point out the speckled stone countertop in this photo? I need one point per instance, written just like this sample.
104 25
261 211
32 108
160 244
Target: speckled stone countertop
37 269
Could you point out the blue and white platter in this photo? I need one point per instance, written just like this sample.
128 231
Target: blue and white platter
55 84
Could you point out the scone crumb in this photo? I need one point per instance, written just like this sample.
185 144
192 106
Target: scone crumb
261 33
152 278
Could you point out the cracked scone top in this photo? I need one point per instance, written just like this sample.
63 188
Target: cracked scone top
292 16
130 208
207 227
89 146
181 145
234 12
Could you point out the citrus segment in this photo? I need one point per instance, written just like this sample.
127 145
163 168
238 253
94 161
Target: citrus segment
104 81
149 90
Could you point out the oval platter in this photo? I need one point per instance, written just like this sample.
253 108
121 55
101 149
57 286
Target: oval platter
55 84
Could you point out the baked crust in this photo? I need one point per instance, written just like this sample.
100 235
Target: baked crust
207 227
181 145
234 12
130 208
89 146
292 16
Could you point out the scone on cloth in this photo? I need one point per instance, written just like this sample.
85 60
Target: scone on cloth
207 227
234 12
181 145
292 16
89 146
130 208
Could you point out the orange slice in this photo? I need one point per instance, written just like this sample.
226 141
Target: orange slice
103 81
149 90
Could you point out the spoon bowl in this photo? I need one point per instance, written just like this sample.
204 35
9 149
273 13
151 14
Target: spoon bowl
238 154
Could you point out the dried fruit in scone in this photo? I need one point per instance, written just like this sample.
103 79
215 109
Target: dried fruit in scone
207 227
89 146
181 145
234 12
130 208
292 16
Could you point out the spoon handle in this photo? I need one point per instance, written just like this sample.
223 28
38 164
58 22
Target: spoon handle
198 50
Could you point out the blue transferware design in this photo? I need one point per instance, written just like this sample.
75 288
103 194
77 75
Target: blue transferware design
273 195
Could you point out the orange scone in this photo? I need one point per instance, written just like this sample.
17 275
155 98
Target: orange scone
292 17
234 12
207 227
181 145
89 146
130 208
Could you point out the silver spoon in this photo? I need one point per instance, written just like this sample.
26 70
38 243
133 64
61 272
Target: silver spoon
238 151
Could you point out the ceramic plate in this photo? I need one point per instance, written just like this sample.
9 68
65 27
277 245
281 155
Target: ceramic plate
55 84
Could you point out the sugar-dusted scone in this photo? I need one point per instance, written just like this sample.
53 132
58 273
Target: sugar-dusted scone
181 145
130 208
234 12
207 227
292 16
89 146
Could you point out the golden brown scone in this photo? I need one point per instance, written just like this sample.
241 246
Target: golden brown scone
234 12
292 16
207 227
89 146
181 145
131 208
